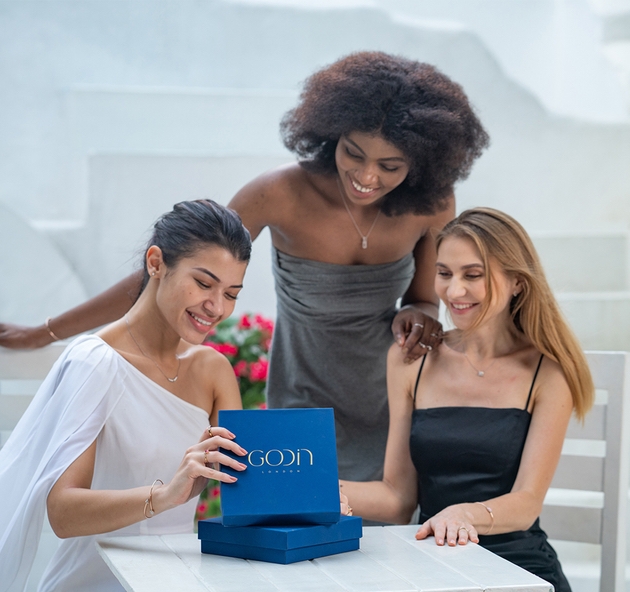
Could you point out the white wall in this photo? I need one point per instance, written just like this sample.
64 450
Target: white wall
112 110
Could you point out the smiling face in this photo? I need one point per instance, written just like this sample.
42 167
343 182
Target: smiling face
461 283
369 167
199 291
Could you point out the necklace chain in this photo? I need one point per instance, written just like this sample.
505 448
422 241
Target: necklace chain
480 373
174 379
364 238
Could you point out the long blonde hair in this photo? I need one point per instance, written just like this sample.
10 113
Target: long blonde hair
534 309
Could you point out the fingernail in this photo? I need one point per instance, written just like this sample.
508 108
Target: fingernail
233 479
242 466
242 450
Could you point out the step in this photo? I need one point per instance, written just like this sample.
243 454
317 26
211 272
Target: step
585 263
601 320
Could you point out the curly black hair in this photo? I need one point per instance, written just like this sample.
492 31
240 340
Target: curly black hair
410 104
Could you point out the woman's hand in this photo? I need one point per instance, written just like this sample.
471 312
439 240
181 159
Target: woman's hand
197 467
345 508
415 332
22 337
452 525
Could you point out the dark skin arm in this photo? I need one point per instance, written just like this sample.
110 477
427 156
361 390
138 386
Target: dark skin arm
420 303
105 308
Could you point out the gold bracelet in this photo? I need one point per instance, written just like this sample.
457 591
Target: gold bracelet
148 503
491 517
50 331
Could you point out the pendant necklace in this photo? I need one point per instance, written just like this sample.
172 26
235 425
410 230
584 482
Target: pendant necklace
480 373
364 238
174 379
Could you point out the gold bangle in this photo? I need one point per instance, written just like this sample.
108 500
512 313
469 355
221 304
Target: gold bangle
50 331
148 503
491 517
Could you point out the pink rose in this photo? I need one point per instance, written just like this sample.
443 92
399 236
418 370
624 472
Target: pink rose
262 406
202 508
265 325
240 368
258 370
245 322
227 349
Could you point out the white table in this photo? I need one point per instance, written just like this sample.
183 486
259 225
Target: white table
389 560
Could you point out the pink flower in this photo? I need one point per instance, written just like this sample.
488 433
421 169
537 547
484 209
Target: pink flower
258 370
202 508
245 322
240 368
227 349
262 406
214 492
265 325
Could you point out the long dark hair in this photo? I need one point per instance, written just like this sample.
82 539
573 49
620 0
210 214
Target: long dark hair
191 225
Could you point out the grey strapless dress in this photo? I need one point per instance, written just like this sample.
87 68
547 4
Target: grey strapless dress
333 330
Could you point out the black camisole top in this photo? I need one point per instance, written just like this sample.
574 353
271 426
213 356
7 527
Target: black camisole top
466 454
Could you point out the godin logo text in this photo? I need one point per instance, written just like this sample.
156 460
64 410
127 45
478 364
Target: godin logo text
282 460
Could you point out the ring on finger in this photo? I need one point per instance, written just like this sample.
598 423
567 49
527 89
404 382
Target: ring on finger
434 335
209 428
205 458
419 325
349 511
462 528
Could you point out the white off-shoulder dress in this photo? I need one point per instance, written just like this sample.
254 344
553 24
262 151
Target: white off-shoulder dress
142 432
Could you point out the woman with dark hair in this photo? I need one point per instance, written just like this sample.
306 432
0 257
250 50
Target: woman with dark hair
477 424
110 443
381 140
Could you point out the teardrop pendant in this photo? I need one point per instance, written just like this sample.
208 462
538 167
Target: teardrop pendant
364 242
480 373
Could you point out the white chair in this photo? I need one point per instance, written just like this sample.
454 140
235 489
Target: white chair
595 458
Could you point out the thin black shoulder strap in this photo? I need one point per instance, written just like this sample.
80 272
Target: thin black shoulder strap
415 388
531 388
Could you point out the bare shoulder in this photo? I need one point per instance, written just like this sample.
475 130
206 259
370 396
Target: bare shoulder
269 188
551 384
401 377
209 363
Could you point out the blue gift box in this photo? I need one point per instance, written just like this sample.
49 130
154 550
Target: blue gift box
291 476
280 544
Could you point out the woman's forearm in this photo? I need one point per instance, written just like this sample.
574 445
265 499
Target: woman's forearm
106 307
83 512
376 500
100 310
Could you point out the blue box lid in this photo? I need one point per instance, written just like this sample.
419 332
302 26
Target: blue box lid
280 537
291 475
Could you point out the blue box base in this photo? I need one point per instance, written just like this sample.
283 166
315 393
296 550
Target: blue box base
283 556
280 544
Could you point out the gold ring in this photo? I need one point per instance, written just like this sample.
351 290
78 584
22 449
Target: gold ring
349 511
462 528
210 430
205 458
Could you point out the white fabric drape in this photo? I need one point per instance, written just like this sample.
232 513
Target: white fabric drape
91 392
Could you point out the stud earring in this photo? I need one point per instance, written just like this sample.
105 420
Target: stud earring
515 294
152 273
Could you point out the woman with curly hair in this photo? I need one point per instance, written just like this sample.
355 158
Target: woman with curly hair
381 140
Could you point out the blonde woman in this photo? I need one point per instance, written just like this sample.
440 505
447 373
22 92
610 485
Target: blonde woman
477 425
